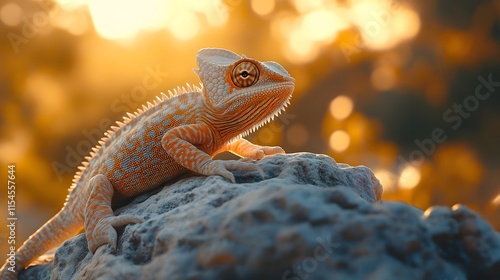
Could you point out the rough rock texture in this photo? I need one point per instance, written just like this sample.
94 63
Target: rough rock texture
310 219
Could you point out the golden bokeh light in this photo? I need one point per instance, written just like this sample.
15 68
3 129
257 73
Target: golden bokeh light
361 11
311 31
341 107
298 49
181 18
262 7
372 19
386 179
383 24
321 25
406 24
185 25
15 147
339 141
75 22
409 177
281 23
10 14
496 200
129 19
72 4
306 6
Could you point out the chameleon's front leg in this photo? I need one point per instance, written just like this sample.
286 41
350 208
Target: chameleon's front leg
99 219
179 143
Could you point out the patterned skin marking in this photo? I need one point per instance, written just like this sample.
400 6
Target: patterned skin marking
181 132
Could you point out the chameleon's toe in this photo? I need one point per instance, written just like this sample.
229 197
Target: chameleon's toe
217 167
267 151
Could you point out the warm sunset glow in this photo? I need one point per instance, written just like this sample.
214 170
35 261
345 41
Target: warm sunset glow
262 7
11 14
75 22
383 24
306 6
409 178
185 25
339 141
321 25
15 147
181 18
307 33
298 48
131 17
73 4
386 179
341 107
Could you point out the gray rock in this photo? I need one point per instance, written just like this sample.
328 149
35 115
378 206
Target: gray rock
311 218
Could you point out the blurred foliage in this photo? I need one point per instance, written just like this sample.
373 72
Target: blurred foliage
387 84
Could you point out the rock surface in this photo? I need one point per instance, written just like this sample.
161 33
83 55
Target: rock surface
311 218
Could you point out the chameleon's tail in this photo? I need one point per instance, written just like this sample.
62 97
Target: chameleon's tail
61 227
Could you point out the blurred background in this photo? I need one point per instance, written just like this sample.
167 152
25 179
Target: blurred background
408 88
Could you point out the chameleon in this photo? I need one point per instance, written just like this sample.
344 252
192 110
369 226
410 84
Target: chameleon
178 134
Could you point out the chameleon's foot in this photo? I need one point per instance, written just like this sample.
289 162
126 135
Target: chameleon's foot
105 233
222 167
99 219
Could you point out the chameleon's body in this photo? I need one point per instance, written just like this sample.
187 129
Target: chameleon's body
178 134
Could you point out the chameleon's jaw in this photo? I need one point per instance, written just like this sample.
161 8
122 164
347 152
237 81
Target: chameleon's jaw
286 90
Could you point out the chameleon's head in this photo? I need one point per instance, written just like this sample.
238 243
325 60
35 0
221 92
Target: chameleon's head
242 93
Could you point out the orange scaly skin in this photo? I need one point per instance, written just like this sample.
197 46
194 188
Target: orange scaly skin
179 133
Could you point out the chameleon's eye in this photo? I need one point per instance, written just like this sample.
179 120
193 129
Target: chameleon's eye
245 74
